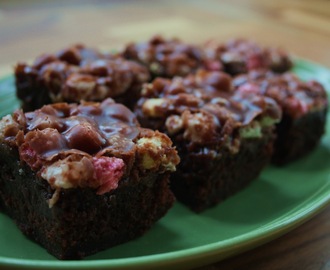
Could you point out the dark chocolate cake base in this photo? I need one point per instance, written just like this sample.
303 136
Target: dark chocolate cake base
298 137
204 179
30 91
80 223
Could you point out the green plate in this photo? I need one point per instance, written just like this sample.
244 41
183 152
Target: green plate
278 201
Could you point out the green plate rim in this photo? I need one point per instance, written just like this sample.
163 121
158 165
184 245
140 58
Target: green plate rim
281 225
208 252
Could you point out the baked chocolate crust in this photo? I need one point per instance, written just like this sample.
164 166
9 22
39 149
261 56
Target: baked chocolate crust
224 139
205 178
240 56
80 223
296 138
169 57
78 179
304 106
78 73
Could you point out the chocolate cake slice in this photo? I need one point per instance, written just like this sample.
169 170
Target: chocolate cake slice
78 179
239 56
304 106
78 73
169 57
224 138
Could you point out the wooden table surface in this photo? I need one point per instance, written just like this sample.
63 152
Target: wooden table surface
28 28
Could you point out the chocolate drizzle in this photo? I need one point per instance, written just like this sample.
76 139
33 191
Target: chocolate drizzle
78 73
208 92
86 127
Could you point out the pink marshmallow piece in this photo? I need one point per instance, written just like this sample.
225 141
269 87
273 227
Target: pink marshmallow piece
108 171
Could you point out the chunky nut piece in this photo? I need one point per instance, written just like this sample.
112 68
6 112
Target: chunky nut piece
200 127
156 152
79 86
8 127
253 130
174 124
153 145
152 107
68 173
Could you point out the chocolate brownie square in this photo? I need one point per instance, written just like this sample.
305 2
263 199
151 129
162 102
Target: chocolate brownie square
169 57
304 106
239 56
78 73
224 139
78 179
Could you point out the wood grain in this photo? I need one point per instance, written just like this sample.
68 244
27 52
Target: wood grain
305 248
28 28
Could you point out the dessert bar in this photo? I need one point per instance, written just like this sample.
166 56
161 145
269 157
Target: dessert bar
224 138
304 106
78 73
78 179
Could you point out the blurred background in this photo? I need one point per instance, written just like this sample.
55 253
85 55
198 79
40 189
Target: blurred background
29 28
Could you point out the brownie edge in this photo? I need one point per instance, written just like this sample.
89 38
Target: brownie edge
224 139
80 223
78 179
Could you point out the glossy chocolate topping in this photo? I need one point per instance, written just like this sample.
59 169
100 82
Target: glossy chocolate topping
210 91
202 107
169 57
239 56
88 145
86 127
80 73
295 97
